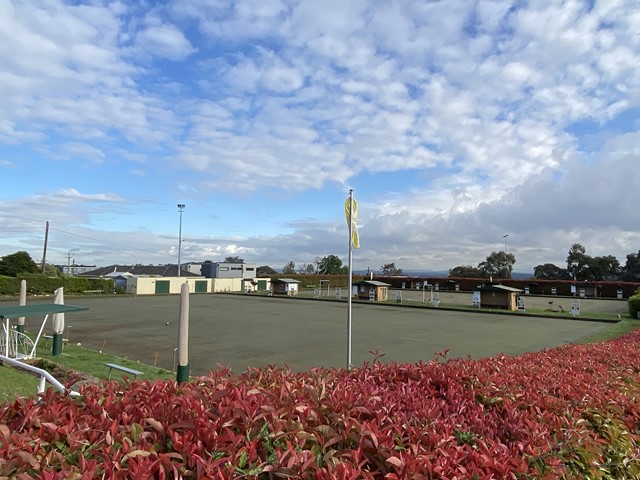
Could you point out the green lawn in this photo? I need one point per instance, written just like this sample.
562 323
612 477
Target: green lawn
92 362
530 312
15 382
616 330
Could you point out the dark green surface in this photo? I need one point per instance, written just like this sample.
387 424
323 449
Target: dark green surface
240 331
13 311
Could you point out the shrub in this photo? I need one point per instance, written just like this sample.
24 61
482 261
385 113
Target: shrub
634 305
569 412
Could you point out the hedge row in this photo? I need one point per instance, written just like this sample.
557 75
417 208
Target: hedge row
41 284
572 412
634 305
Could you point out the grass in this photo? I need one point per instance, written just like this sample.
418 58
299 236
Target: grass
604 316
15 382
93 363
616 330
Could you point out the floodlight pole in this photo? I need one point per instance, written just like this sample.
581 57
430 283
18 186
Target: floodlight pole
505 242
180 209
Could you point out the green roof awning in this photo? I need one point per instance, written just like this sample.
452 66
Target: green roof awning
37 309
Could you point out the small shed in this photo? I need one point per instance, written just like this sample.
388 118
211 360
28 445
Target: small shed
499 296
584 290
371 290
284 286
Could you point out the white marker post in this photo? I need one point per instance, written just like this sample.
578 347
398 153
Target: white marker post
58 324
182 372
23 302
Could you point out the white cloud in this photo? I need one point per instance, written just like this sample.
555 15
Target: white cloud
468 108
163 40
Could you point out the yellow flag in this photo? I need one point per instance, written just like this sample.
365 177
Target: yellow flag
355 240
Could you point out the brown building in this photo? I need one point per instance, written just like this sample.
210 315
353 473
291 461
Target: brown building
284 286
499 296
371 290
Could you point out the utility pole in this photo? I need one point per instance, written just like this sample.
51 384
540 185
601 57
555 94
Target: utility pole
180 209
44 253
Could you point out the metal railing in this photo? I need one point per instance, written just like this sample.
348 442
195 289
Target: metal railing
17 345
44 376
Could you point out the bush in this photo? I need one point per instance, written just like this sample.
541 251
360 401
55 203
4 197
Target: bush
634 305
41 284
568 412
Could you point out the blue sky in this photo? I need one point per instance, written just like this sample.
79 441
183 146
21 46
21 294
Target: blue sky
455 122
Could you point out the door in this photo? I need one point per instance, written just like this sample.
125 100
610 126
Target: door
162 286
201 286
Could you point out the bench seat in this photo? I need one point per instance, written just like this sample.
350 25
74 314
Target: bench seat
128 370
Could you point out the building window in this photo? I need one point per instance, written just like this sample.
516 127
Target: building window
224 269
236 268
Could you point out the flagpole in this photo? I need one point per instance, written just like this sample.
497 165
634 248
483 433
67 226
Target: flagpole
350 283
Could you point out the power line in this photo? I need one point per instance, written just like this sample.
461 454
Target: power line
100 240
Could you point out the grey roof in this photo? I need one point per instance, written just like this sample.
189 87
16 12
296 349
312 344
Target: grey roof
373 283
157 270
285 280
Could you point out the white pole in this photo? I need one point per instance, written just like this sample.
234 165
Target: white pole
350 282
23 301
182 372
6 337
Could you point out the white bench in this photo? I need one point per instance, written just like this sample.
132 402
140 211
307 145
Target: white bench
115 366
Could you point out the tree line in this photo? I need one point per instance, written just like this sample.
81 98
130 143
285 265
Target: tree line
579 267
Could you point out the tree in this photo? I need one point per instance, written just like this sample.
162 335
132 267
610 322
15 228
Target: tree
577 262
289 268
234 260
17 263
631 270
465 271
331 265
52 270
549 271
497 265
390 270
603 268
265 270
306 268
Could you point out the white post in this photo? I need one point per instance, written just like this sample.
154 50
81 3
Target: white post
58 324
182 372
23 302
6 337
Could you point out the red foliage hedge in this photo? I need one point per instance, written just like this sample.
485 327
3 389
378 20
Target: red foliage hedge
569 412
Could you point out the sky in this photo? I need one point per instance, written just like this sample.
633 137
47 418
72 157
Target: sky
463 127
